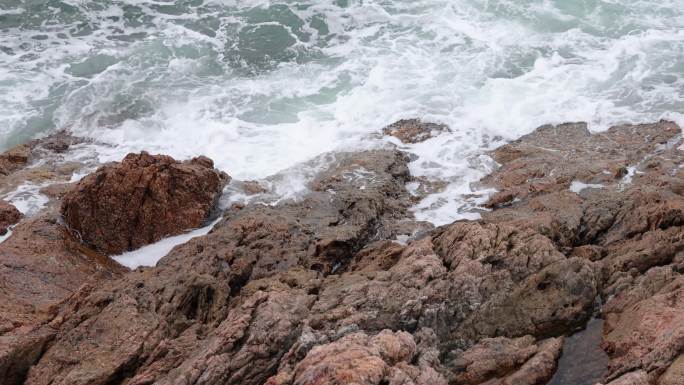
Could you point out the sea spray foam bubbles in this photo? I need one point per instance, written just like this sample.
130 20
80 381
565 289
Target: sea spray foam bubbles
262 86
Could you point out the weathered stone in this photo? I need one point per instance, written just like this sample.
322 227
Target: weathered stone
139 201
40 266
645 328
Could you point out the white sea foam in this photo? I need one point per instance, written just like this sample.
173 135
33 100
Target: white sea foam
188 79
27 198
577 186
149 255
5 237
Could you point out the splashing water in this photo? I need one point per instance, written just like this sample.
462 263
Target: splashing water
260 86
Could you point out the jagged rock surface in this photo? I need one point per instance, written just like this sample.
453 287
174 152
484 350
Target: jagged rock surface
313 291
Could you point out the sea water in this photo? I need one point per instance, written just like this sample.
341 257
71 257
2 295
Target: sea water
264 86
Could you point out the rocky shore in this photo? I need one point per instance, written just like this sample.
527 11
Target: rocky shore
585 229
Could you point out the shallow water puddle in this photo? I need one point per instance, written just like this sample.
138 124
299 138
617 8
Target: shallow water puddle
583 361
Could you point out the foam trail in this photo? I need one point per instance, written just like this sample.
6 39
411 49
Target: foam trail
149 255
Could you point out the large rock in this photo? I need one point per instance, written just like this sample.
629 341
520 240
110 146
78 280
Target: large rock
40 266
9 215
141 200
254 298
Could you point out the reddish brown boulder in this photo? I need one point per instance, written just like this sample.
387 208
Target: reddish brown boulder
141 200
9 215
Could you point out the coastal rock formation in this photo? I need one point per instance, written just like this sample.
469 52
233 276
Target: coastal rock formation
139 201
315 291
613 198
270 283
9 215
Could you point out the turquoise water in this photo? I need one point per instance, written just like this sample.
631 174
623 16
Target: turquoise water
261 86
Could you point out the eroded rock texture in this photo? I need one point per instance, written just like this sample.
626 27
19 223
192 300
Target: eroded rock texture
127 205
613 198
314 291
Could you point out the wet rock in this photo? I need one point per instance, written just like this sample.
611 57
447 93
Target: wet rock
315 290
57 191
9 215
552 157
141 200
630 228
583 362
252 187
413 130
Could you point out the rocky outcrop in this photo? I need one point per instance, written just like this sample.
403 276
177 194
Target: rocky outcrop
314 290
141 200
613 198
9 215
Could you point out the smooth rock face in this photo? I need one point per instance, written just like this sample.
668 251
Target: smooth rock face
9 215
141 200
